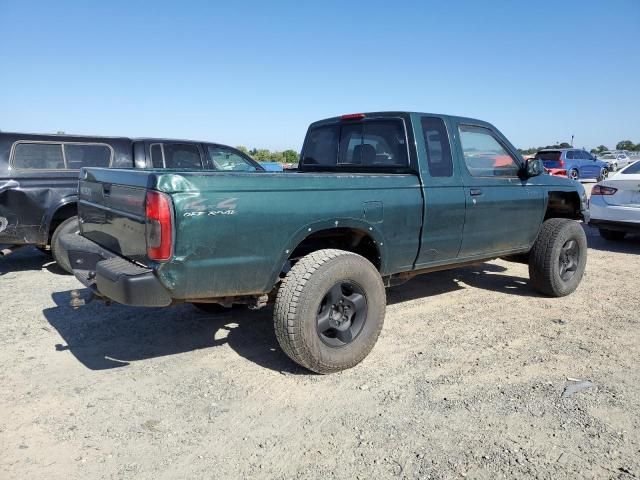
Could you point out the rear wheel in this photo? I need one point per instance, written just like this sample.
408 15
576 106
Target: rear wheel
69 226
612 234
603 174
329 310
558 257
574 174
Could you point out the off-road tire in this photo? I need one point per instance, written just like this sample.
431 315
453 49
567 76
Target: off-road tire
612 235
299 300
544 260
70 225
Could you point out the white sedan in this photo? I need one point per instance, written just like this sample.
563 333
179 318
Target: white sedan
615 203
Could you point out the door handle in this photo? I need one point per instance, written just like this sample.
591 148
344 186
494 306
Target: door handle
475 192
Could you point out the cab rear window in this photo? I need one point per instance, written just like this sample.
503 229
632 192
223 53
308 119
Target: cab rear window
548 156
369 145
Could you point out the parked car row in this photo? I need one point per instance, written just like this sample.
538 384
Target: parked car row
574 163
39 177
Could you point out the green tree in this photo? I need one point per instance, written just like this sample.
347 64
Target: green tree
243 149
625 145
261 155
290 156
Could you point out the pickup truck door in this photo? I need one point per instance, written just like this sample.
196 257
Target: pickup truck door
503 211
443 193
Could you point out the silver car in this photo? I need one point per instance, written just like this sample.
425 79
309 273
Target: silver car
616 159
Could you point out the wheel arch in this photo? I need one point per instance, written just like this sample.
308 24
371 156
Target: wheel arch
348 234
58 213
563 204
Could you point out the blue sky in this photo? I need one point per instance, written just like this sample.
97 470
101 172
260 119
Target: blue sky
257 73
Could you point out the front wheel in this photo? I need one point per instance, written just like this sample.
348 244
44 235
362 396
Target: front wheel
69 226
558 257
329 310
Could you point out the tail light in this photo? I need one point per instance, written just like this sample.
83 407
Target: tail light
561 163
602 190
159 227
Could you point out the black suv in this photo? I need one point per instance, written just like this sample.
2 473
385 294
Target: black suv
39 177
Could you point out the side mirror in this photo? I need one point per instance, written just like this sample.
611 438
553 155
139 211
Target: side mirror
534 167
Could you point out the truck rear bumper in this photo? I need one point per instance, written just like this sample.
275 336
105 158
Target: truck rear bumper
112 276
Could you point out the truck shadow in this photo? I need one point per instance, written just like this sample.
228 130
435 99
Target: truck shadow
29 258
102 337
484 276
105 337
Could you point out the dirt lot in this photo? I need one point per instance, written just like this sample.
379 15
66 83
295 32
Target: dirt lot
467 379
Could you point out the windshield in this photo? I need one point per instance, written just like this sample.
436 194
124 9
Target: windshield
227 160
608 156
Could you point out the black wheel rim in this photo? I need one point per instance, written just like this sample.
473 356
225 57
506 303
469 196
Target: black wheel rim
569 259
342 314
574 174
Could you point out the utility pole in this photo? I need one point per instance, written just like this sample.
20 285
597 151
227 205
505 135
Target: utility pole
572 140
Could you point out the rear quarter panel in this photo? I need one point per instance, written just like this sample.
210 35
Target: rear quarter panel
234 232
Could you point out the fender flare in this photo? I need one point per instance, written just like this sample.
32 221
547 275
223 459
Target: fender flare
51 211
370 229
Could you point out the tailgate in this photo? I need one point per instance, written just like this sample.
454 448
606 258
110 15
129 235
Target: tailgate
111 209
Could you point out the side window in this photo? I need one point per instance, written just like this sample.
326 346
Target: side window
436 142
157 158
38 156
181 155
571 155
484 155
321 146
228 160
81 155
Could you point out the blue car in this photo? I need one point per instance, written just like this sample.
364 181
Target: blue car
574 163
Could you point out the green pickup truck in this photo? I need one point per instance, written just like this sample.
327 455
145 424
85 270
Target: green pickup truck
377 199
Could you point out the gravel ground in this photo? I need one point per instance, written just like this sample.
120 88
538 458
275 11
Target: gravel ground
467 379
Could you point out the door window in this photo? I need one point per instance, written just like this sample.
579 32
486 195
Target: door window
484 154
175 155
